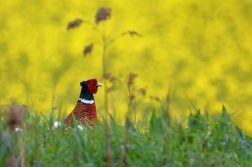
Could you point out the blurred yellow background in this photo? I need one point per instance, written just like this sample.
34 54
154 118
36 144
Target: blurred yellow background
201 48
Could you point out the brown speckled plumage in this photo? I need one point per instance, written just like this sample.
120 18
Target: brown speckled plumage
82 113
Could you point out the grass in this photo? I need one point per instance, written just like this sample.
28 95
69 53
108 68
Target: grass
205 141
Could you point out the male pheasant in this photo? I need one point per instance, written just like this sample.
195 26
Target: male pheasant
85 109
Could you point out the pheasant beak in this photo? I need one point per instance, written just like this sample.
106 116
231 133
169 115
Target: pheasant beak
98 84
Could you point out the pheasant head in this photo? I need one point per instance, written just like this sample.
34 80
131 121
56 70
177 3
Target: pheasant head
89 88
91 85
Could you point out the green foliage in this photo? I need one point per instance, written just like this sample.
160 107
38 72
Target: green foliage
206 141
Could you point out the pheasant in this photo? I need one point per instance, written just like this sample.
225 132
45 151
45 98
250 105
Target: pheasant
85 109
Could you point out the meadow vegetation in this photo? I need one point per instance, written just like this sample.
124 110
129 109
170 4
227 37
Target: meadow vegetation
206 141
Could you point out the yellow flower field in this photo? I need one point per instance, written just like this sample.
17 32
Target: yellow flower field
202 49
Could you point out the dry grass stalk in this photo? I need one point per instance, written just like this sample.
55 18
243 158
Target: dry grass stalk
103 14
132 97
122 161
15 122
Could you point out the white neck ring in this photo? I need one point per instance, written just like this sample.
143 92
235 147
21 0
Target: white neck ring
86 101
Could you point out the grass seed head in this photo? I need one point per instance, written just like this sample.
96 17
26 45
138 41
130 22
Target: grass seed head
132 97
133 33
132 77
142 91
88 49
74 23
15 117
110 77
107 75
156 98
103 13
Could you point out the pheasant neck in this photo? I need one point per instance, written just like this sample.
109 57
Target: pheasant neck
86 97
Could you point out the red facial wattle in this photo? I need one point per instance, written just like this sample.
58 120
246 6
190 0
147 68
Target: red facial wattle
92 89
92 85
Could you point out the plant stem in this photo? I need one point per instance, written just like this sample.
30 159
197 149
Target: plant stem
105 84
105 70
21 149
133 106
167 115
53 97
108 143
122 162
